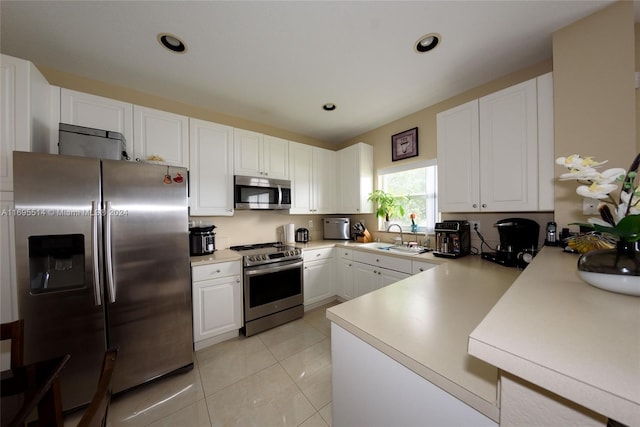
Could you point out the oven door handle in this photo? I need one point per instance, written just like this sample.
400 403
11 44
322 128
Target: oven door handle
271 268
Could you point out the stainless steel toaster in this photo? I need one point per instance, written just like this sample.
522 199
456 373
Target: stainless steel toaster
337 228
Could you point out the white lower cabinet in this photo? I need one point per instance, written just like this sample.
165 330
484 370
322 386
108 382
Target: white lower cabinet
345 273
361 272
217 302
373 271
368 278
319 275
420 266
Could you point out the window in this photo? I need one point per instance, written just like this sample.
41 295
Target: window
419 182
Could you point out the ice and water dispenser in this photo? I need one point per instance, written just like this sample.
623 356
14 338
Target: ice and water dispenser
56 262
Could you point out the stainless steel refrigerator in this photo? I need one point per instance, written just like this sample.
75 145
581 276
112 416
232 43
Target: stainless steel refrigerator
102 254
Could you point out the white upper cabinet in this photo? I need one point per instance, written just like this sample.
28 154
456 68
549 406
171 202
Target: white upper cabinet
509 149
458 158
83 109
546 157
24 115
301 173
313 179
489 151
260 155
211 173
163 134
355 179
276 157
324 181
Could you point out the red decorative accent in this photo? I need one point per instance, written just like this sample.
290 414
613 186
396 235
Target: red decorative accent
178 178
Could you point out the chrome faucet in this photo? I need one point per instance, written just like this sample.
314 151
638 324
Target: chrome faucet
399 228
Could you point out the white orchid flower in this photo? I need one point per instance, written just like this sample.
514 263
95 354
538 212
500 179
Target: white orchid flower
626 196
610 175
621 211
596 190
575 161
579 174
598 221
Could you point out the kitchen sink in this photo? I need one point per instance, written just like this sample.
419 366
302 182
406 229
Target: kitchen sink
387 247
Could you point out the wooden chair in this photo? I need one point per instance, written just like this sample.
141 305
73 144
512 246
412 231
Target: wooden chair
96 414
14 331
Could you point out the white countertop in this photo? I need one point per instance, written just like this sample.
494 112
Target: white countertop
221 255
555 330
424 323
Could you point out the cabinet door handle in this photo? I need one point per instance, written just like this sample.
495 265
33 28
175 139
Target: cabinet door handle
475 205
484 205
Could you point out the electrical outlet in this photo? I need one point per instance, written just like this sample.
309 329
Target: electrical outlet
475 226
590 206
310 223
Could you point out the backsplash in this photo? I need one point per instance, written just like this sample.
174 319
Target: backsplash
267 226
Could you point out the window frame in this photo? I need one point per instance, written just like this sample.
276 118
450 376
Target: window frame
422 229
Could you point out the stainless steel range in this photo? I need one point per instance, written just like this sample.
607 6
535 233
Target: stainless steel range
273 285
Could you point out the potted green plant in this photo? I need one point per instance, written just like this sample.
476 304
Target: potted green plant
388 204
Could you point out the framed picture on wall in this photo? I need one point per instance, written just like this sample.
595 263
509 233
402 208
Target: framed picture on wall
404 144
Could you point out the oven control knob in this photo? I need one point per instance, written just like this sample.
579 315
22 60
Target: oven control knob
264 257
252 258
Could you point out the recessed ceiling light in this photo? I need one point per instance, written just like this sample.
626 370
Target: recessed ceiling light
171 42
329 106
427 42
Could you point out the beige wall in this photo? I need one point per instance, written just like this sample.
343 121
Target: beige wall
637 41
594 95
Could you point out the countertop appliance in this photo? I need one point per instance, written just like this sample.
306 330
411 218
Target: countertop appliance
302 235
273 285
202 240
337 228
261 193
453 239
518 242
102 257
88 142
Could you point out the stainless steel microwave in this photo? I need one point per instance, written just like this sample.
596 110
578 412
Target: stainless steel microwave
261 193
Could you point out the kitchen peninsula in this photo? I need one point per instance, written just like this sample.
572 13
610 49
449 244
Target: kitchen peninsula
400 353
418 329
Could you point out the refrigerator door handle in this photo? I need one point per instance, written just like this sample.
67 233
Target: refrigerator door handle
108 252
94 243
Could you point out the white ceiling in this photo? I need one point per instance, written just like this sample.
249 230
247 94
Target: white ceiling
278 62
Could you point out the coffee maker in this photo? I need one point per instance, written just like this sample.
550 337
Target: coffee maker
453 239
518 242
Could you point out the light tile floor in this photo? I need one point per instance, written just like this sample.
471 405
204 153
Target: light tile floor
280 377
